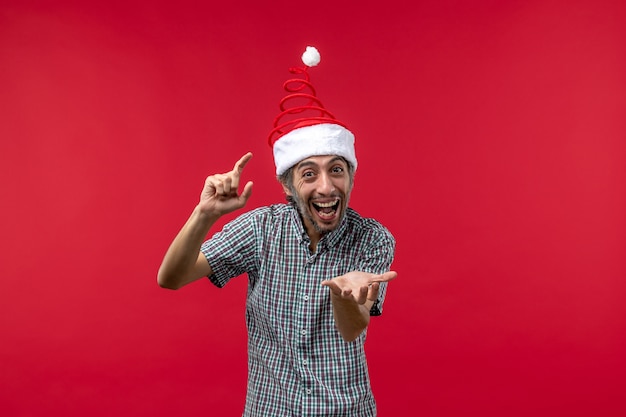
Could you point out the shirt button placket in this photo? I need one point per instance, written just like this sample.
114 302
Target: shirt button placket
304 332
307 390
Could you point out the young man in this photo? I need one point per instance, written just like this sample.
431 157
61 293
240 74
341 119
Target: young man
316 272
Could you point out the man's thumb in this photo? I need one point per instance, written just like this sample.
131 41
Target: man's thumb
247 192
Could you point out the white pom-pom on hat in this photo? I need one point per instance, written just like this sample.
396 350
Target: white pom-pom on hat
311 56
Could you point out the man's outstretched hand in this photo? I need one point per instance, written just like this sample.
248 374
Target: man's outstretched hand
358 286
220 194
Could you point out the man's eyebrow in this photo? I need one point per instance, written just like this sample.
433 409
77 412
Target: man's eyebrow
337 158
307 163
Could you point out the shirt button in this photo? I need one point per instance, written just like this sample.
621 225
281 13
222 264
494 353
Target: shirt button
305 362
303 332
308 391
306 298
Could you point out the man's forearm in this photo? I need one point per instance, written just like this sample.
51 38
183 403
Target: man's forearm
179 266
351 318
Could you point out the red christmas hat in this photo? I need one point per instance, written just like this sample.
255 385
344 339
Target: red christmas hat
306 128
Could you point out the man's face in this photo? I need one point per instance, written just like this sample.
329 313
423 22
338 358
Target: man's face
321 187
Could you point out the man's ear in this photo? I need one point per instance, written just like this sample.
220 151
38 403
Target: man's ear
286 189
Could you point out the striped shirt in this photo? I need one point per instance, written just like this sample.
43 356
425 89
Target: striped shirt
298 363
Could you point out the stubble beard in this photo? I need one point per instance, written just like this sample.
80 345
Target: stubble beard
305 213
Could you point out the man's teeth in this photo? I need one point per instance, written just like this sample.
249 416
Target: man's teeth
326 210
332 203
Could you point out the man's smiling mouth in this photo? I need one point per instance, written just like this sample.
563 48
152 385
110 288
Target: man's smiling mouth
326 210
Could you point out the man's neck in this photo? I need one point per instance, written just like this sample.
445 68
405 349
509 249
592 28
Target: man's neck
314 237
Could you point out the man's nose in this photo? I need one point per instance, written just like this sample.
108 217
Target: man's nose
325 184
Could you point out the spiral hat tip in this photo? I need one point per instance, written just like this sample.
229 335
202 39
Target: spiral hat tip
304 127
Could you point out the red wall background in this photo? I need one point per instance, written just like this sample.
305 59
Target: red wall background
491 141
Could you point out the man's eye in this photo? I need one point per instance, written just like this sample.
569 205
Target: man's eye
337 169
307 174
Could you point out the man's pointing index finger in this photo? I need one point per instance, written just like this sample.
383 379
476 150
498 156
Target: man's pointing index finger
240 165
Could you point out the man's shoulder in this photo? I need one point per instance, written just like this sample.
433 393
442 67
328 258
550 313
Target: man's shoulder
272 210
368 222
360 225
264 214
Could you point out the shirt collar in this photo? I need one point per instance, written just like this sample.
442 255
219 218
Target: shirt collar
329 239
332 238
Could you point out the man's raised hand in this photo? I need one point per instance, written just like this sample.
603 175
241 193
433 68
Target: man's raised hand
220 194
358 286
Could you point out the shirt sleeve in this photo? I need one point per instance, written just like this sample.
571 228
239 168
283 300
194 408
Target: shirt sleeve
230 252
377 259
